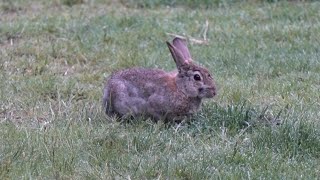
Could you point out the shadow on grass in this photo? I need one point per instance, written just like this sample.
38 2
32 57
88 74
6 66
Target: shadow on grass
235 117
293 138
287 133
282 132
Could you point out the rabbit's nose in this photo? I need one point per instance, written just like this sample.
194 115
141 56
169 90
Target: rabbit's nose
208 92
213 91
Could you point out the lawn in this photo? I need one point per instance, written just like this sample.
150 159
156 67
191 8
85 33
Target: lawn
56 55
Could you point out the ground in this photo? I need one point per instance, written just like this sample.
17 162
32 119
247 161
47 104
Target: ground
263 123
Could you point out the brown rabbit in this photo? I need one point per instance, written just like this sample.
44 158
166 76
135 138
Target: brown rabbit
158 94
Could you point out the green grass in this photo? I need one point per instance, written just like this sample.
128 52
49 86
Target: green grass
55 56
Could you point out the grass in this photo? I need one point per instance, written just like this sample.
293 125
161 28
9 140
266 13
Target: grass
55 55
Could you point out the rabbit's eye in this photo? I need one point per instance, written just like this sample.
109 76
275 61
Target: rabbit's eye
197 77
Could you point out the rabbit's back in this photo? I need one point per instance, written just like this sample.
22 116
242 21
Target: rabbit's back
139 76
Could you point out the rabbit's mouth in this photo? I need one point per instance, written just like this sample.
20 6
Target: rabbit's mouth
206 92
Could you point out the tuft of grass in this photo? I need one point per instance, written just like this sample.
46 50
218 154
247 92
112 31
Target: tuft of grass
191 3
8 6
72 2
297 139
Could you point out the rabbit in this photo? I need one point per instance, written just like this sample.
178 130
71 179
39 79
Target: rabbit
170 96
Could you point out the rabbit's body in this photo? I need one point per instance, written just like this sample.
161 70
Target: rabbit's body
136 91
159 94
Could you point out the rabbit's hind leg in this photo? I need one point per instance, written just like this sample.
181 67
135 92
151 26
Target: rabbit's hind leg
106 102
133 106
127 101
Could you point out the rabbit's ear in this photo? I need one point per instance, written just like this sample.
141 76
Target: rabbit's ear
177 55
181 45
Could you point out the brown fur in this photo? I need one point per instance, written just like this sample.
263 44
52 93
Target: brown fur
158 94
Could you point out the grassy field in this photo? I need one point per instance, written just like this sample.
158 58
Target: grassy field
55 56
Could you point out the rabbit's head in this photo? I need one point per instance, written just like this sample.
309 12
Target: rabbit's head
192 80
